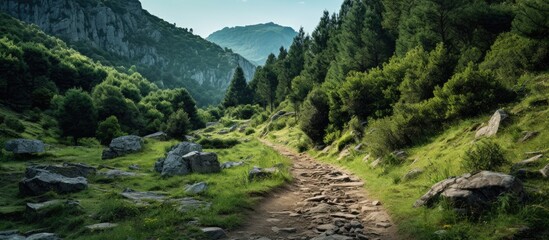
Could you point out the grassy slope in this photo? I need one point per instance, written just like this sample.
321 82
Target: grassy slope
229 191
441 157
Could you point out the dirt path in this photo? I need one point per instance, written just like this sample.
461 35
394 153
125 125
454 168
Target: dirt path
322 202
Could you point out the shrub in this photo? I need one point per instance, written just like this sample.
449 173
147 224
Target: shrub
249 131
89 142
217 143
314 116
471 92
178 124
14 124
484 155
108 129
243 111
2 117
259 118
116 209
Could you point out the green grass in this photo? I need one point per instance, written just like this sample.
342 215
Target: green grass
229 192
440 157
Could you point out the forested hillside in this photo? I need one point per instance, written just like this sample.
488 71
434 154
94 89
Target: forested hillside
406 69
121 33
44 78
254 42
400 93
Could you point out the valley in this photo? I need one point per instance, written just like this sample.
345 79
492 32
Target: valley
388 120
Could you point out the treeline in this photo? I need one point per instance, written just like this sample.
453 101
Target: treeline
40 75
402 69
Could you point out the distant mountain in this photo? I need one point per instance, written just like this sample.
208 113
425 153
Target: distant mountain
121 33
254 42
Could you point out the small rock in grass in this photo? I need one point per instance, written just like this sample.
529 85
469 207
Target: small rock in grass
196 188
214 232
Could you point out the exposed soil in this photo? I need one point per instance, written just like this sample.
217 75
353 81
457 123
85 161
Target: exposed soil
323 202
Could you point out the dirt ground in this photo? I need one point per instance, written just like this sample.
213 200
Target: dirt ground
323 202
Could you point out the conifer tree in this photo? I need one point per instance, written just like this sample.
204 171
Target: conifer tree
238 92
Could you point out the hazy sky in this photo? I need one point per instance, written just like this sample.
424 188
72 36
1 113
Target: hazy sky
208 16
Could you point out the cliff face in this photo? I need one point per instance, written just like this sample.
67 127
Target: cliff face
121 33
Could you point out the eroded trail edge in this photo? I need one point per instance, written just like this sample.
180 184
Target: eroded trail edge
323 202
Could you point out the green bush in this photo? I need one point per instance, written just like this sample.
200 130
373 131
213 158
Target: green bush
484 155
217 143
108 129
259 118
472 92
115 210
89 142
14 124
314 116
178 124
2 117
243 111
249 131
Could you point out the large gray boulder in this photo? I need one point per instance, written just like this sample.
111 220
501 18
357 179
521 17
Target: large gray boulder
161 136
473 192
123 145
25 146
70 170
45 181
493 125
174 164
203 162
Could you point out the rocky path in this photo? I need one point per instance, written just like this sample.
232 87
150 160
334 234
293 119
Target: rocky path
323 202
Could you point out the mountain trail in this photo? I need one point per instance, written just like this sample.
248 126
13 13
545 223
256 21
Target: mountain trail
323 202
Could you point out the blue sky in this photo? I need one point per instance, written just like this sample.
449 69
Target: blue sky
207 16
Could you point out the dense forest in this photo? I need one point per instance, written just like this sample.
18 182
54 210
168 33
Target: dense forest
405 69
42 76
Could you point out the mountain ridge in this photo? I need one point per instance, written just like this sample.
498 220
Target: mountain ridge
122 33
254 42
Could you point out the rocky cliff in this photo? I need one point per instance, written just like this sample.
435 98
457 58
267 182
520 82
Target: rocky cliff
121 33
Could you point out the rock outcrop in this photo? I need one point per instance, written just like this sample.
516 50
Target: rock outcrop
203 162
121 146
45 181
25 146
493 125
70 170
473 192
160 136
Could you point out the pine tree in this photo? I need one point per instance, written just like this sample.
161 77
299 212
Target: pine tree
238 92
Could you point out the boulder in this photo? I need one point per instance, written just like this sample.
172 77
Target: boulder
214 233
189 203
43 236
493 125
174 164
203 162
528 162
412 174
25 146
45 181
142 196
101 226
11 235
258 173
233 128
196 188
70 170
161 136
211 124
115 173
37 207
121 146
473 192
528 135
183 148
226 165
545 171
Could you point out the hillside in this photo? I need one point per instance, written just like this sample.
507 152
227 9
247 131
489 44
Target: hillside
121 33
254 42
